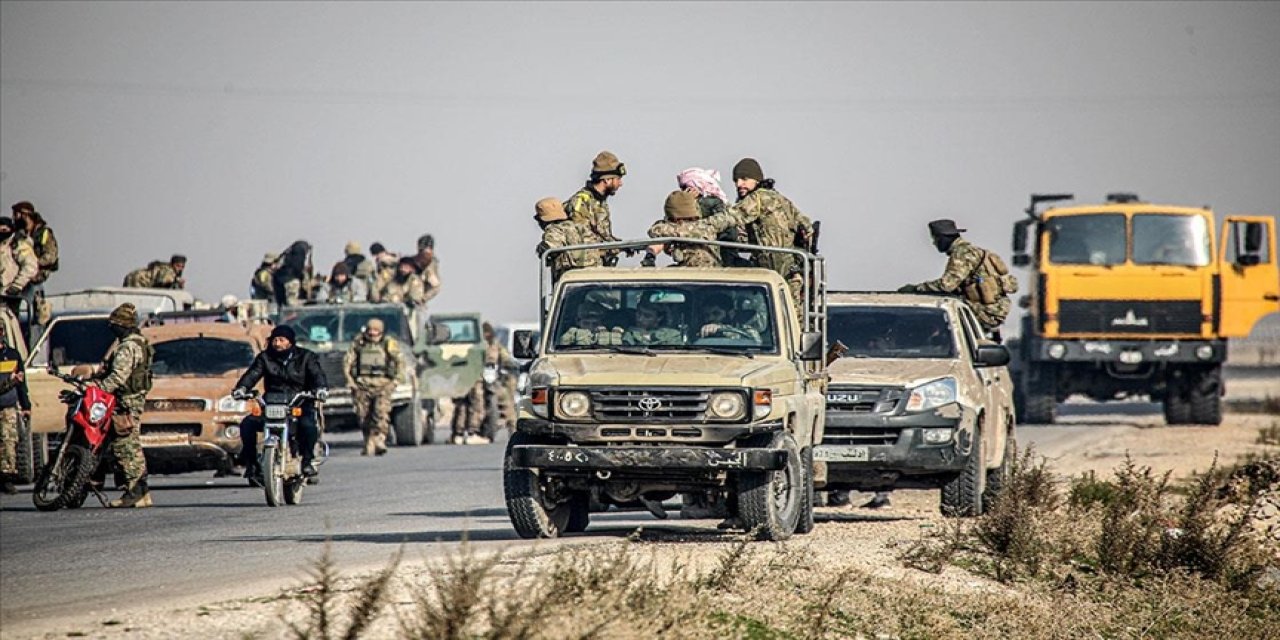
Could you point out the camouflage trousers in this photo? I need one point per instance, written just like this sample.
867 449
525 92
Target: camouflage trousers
373 410
293 293
9 440
990 316
127 447
469 411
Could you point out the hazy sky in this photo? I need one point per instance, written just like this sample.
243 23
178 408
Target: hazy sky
223 130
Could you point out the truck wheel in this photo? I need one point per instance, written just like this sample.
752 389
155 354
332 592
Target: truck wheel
527 507
806 506
1177 408
1205 399
429 428
962 495
769 502
579 513
26 453
996 477
406 425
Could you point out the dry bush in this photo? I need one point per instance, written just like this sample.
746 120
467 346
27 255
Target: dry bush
1013 530
1270 434
323 609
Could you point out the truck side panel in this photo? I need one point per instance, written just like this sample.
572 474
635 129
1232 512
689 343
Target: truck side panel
1249 291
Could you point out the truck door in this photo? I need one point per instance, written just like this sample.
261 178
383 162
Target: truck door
1249 279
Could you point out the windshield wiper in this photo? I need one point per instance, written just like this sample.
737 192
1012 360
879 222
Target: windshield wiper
633 351
721 351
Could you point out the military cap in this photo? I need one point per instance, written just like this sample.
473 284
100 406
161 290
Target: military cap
748 168
270 257
353 248
607 164
426 241
24 207
682 205
176 258
944 227
376 248
549 210
125 315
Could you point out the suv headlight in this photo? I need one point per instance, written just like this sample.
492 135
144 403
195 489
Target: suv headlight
228 404
932 395
574 405
726 405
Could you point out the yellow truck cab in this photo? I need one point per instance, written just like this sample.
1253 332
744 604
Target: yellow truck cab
1130 298
648 383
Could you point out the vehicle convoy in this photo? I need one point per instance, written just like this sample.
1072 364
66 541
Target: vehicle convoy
920 399
649 383
1131 298
329 330
63 482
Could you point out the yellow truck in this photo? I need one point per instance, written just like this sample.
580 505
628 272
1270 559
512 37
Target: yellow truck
1132 299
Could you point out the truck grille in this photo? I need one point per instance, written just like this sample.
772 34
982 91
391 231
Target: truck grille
1129 316
176 404
650 405
854 400
860 435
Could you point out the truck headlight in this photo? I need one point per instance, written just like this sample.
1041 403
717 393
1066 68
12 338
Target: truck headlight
937 436
932 395
1057 350
727 405
228 404
574 405
1204 351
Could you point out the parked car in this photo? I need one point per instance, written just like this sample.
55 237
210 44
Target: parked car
919 400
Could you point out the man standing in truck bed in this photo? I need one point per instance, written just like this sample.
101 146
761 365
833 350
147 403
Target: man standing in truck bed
972 272
590 205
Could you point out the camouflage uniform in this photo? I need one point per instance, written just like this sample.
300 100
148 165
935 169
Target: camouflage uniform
164 276
261 286
18 263
590 209
772 221
564 233
373 370
13 399
46 249
603 336
695 255
127 374
659 335
471 418
965 266
409 291
430 275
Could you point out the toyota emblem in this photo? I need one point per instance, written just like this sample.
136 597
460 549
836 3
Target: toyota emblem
649 404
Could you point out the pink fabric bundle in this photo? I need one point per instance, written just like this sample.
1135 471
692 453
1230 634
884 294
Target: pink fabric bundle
706 181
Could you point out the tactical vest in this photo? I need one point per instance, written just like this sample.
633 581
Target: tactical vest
139 381
371 360
995 281
41 242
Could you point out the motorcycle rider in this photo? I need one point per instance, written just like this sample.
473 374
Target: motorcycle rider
127 374
285 368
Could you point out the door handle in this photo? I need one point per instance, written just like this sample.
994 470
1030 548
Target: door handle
1271 297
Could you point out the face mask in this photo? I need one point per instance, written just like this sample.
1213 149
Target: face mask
4 235
943 243
118 331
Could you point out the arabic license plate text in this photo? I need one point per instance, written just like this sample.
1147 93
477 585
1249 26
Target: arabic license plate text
842 454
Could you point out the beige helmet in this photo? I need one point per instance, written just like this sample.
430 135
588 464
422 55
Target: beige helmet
549 210
682 205
606 164
353 248
374 324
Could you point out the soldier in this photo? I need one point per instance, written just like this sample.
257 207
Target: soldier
719 322
470 411
559 231
972 272
590 207
649 329
384 265
590 329
373 368
127 374
428 267
32 226
292 275
15 405
18 264
142 276
404 287
261 287
353 256
771 220
169 275
343 288
682 221
705 185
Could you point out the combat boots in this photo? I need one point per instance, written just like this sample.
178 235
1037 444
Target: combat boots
136 496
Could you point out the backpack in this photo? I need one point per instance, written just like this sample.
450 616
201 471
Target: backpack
1000 282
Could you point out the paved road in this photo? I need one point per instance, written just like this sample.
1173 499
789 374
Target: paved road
210 539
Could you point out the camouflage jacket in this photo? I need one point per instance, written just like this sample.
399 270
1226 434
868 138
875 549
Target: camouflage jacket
431 279
695 255
658 336
410 292
262 286
965 266
602 336
46 249
564 233
18 264
119 374
771 220
354 291
389 349
163 276
589 209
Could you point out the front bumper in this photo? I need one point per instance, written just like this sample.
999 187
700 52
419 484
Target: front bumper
624 433
1130 352
568 458
848 450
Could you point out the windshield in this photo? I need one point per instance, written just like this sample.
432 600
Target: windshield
73 342
461 330
891 332
1170 239
326 325
1097 239
665 317
200 356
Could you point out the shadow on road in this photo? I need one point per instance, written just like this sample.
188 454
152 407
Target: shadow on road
473 513
862 517
398 537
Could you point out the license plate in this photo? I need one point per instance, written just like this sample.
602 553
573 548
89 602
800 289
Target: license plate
276 411
842 454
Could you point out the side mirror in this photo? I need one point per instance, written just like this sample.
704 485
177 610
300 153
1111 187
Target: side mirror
437 333
992 355
811 346
1021 259
523 346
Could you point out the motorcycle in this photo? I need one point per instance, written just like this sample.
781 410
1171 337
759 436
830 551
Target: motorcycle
493 418
64 481
279 457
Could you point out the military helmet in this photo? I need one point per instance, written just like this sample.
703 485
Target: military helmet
352 248
270 257
607 164
375 324
682 205
125 315
549 210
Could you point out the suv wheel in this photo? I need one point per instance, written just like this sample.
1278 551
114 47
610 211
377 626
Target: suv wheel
527 506
962 495
806 506
769 502
996 477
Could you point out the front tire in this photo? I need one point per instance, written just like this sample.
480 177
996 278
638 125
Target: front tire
770 502
273 475
962 495
806 507
527 505
406 425
997 477
60 484
1177 408
1205 399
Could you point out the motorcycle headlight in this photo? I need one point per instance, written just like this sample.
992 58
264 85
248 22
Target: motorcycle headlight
932 395
228 404
574 405
726 405
97 411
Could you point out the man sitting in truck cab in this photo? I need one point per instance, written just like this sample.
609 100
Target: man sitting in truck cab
649 330
590 329
717 322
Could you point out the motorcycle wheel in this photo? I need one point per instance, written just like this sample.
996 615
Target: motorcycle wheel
489 428
293 490
273 475
60 484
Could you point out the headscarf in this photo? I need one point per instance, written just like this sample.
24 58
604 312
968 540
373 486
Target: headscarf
706 181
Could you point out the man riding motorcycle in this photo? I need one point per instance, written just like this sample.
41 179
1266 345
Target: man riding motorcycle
286 368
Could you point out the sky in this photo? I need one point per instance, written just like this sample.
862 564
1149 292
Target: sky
223 130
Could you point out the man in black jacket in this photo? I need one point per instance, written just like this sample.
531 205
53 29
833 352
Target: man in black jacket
287 368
